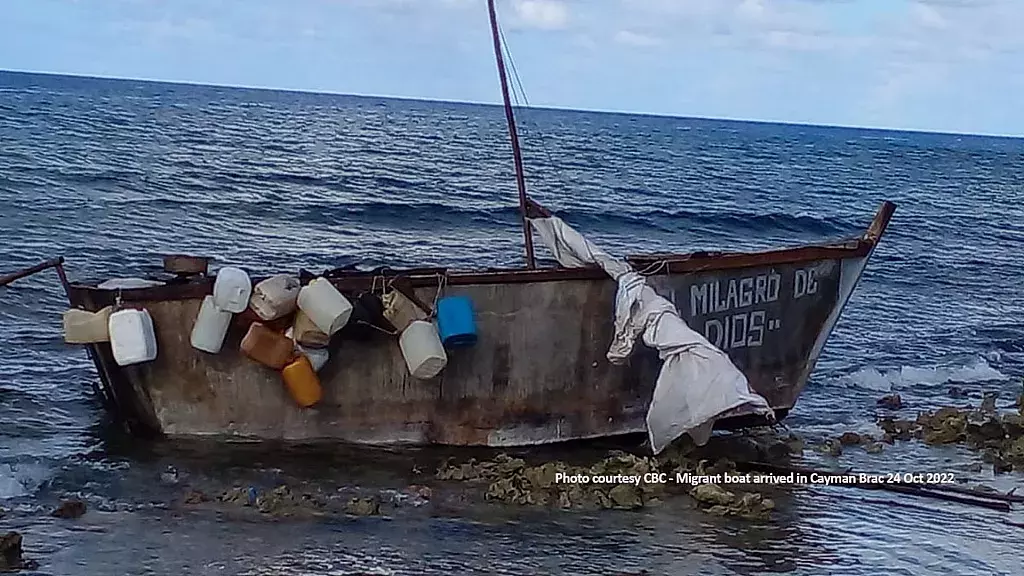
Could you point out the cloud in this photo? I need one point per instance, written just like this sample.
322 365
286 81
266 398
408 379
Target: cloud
543 14
928 16
636 39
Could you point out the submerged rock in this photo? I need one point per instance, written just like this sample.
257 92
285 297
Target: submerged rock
891 402
363 507
832 447
850 439
712 494
195 497
898 429
874 448
69 509
11 554
623 480
750 506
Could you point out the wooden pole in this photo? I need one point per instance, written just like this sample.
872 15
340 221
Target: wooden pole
54 263
511 120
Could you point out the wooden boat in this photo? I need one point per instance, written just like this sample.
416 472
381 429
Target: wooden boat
538 372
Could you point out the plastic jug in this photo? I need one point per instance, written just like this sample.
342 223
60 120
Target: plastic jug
84 327
245 319
211 327
232 289
400 311
455 321
326 307
305 333
270 348
318 357
422 349
132 337
275 297
302 382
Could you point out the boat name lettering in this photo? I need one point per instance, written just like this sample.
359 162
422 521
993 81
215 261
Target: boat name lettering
742 330
805 283
718 296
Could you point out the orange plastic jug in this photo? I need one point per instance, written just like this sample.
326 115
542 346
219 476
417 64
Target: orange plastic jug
270 348
302 381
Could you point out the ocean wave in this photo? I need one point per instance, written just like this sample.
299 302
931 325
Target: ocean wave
22 479
871 378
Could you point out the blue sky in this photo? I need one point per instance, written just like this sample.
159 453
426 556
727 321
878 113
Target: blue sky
944 65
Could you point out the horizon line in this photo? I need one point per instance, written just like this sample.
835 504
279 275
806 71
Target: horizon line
521 107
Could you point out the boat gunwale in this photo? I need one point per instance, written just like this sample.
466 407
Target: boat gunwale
658 264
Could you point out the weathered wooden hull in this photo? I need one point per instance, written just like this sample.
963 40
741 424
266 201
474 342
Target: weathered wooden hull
538 373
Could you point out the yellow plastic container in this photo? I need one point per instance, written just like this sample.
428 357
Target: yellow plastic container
302 382
84 327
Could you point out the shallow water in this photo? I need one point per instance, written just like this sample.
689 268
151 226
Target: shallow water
114 174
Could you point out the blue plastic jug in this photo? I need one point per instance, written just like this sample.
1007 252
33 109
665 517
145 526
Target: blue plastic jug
455 321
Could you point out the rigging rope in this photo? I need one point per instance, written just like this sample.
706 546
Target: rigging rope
518 81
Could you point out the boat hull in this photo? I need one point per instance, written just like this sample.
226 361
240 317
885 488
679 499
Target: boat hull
537 374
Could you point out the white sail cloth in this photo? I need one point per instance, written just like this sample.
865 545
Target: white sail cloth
698 383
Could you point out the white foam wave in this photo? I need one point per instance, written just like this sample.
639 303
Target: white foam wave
21 479
872 379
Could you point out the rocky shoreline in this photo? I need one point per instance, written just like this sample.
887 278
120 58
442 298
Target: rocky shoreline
711 478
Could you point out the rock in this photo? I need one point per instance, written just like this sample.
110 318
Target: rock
422 491
850 439
69 509
874 448
738 447
195 497
898 429
1014 451
1000 466
626 497
832 447
976 467
1013 425
239 495
942 436
750 506
988 403
712 494
944 426
891 402
363 507
956 392
777 451
11 554
988 431
795 444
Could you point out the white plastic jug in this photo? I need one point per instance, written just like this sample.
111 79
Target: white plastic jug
324 305
232 289
132 337
422 349
211 327
84 327
318 357
275 297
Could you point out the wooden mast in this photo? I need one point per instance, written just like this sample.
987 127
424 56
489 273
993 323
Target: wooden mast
510 117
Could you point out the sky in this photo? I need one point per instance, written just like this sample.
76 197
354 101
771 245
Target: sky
936 65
